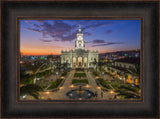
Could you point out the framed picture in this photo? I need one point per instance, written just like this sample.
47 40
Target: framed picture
85 59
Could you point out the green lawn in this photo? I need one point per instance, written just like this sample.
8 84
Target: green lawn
79 81
55 84
104 83
79 75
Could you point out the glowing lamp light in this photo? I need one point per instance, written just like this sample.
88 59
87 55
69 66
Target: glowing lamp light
61 88
37 78
21 85
47 92
120 78
111 91
99 87
71 86
87 86
62 77
24 96
97 77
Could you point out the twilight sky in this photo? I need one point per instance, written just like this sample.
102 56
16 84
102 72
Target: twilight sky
45 37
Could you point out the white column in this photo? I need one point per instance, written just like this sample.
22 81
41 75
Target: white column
82 61
76 61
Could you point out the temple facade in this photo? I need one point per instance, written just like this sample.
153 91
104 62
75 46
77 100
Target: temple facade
79 57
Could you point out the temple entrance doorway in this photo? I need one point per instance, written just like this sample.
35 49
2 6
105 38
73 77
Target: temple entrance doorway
79 62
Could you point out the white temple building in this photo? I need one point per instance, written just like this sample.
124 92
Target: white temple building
79 58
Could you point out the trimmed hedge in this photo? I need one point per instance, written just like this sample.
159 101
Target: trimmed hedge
79 69
79 81
79 75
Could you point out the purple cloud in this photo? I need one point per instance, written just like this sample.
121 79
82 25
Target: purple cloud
62 31
45 40
106 44
108 31
97 24
35 30
57 30
98 41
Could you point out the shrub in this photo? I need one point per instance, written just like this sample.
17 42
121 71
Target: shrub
31 89
129 87
79 81
79 75
79 69
27 79
64 73
104 83
55 84
95 73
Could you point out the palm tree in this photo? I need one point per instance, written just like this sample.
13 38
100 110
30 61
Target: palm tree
95 64
31 89
65 65
100 64
58 65
34 67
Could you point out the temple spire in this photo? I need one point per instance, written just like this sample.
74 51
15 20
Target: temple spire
79 28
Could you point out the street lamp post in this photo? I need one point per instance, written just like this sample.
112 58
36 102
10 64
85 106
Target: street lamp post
102 74
56 74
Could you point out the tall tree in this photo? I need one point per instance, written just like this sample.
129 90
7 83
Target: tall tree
34 67
95 63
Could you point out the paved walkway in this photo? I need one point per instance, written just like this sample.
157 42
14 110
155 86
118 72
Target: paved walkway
61 94
96 88
93 85
51 77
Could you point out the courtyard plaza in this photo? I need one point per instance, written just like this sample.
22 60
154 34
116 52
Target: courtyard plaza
67 86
